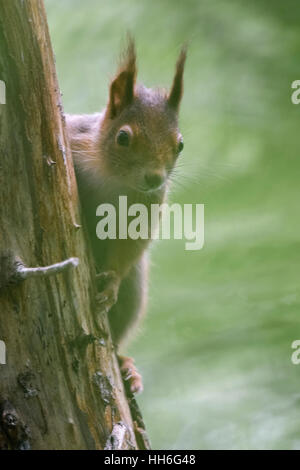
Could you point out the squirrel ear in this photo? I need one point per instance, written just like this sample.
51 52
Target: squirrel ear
121 91
176 91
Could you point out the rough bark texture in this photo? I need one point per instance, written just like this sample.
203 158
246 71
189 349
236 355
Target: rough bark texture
61 386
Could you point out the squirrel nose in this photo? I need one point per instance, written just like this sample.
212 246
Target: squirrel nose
153 180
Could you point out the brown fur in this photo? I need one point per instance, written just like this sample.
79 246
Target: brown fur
105 170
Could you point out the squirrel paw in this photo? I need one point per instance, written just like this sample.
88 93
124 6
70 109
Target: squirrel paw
130 374
109 288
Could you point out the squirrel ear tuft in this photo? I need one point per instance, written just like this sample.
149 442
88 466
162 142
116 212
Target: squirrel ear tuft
121 91
176 91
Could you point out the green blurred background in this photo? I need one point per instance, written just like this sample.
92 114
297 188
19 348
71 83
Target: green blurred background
215 349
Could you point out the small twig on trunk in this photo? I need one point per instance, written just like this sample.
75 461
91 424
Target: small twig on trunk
13 270
22 272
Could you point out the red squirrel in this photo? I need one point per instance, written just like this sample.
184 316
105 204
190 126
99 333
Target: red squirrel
129 149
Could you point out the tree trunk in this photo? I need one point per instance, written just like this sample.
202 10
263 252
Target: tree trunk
61 386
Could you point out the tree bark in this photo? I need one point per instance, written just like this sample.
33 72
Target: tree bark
61 386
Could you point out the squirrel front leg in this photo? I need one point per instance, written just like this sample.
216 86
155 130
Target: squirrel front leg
127 310
126 314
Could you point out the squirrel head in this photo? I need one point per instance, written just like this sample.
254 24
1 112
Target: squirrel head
139 139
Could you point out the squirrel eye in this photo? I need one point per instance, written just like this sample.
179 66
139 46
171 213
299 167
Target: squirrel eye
180 146
123 138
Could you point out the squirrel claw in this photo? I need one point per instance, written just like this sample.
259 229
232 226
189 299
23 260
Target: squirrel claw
130 374
101 298
109 286
106 299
